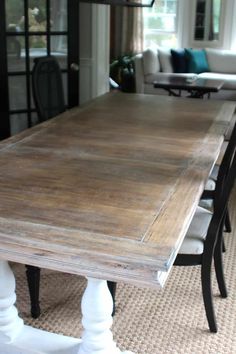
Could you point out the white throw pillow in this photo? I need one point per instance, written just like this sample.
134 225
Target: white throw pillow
221 61
165 60
151 63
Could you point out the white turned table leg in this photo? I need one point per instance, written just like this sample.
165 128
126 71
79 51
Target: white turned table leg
10 323
16 338
97 306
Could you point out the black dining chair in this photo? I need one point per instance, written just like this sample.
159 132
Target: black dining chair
207 201
203 241
47 88
49 101
208 195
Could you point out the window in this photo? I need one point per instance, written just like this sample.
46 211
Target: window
216 18
160 24
207 23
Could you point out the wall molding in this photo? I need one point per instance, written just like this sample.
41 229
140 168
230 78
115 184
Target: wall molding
86 62
100 49
94 50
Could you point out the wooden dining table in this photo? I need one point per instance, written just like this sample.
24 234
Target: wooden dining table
106 191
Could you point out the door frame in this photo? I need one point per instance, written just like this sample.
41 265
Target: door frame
4 95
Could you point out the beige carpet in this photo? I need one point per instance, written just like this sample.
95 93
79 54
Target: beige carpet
147 321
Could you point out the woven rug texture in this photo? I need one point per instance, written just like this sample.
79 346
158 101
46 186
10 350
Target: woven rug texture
146 321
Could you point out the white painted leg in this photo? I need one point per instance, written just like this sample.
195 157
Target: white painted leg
15 338
10 323
97 306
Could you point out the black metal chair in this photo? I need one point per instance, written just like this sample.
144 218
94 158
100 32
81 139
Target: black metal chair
203 241
49 101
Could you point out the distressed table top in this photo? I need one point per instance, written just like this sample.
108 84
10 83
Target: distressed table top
108 190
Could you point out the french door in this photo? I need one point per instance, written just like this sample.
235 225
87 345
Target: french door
29 29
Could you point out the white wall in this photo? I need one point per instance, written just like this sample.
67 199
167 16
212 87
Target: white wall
184 22
233 30
230 25
94 50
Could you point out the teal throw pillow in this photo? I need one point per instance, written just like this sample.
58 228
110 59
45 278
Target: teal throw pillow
197 61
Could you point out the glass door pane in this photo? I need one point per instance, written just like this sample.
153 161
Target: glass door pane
36 28
58 15
15 15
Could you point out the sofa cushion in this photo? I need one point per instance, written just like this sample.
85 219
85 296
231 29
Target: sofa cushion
229 79
151 63
197 60
165 60
179 61
193 242
221 61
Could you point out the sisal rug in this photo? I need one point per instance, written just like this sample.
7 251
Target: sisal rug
146 321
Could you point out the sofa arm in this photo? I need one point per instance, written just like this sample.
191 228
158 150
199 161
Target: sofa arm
139 74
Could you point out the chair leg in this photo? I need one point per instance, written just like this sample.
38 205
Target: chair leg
218 262
33 279
228 227
112 288
207 294
223 245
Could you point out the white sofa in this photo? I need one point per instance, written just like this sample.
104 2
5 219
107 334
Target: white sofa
153 64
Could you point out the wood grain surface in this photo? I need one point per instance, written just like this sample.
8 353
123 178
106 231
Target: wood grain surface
109 189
